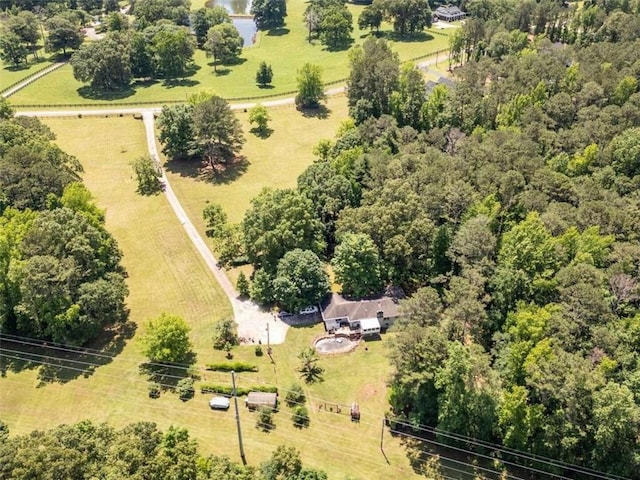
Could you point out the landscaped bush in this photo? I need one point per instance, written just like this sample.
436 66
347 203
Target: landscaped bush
154 390
232 366
295 396
259 352
228 390
185 389
300 417
265 419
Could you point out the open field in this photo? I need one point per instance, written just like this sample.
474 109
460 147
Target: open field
165 274
10 74
275 162
237 81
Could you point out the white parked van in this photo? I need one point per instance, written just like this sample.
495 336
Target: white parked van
219 403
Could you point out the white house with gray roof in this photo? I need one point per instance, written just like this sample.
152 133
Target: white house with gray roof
367 317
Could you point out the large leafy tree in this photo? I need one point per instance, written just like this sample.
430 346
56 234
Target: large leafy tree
279 221
310 88
217 131
175 125
105 63
408 16
330 192
336 26
12 49
374 76
356 265
300 280
268 14
204 18
63 34
166 339
70 285
224 43
173 49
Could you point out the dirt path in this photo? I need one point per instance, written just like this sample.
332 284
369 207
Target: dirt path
252 321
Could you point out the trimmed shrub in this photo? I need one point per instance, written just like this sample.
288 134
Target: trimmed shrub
259 351
185 389
228 390
154 390
295 396
232 366
300 417
265 419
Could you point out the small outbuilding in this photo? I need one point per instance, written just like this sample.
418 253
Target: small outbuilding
261 399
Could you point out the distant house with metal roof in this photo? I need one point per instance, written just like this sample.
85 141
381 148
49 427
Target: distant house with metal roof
449 13
367 317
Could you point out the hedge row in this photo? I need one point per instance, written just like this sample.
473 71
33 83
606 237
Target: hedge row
228 390
232 366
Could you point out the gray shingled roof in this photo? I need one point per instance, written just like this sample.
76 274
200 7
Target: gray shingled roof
340 307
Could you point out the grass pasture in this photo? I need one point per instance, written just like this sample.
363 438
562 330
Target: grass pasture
10 74
166 274
285 49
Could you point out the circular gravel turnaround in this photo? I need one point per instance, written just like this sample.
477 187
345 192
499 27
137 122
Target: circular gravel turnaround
329 345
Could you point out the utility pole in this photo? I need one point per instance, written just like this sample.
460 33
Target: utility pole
235 401
269 343
382 436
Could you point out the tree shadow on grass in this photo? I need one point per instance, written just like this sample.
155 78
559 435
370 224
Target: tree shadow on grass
182 82
199 170
168 375
262 133
266 87
58 363
409 37
278 32
94 94
339 47
322 112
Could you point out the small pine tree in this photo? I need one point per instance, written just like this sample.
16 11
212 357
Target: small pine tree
243 285
264 75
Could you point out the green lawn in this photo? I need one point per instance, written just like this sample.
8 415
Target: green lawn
10 74
286 51
166 274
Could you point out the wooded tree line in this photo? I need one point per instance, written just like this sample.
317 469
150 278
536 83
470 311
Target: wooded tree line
138 451
507 206
60 272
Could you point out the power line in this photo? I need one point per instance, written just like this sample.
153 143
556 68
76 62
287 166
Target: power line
503 450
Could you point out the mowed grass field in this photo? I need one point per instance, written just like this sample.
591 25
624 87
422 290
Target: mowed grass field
286 50
275 162
166 274
10 74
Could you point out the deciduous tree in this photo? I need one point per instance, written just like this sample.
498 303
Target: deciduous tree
356 265
268 14
300 280
224 43
310 92
166 339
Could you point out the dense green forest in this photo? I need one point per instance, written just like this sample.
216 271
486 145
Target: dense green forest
60 273
138 451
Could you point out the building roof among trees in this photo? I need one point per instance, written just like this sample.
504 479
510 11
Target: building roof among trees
339 307
449 12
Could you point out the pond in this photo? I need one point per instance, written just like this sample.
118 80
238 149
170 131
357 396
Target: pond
234 7
247 29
